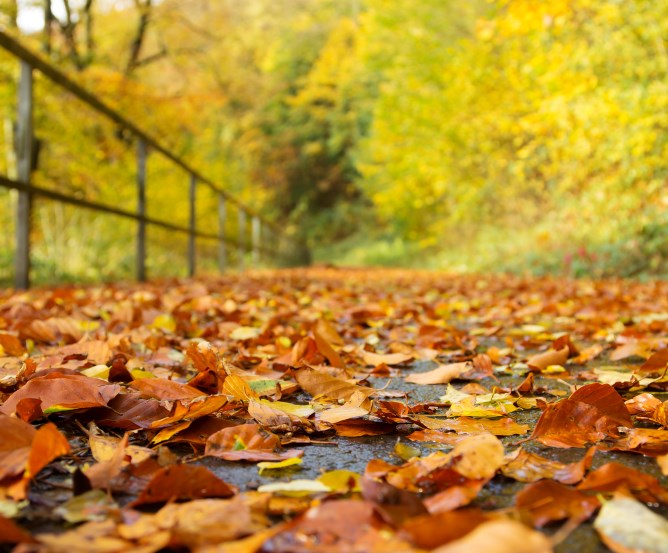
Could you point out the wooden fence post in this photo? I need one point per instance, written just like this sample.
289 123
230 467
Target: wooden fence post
192 245
141 209
222 222
24 145
256 234
241 237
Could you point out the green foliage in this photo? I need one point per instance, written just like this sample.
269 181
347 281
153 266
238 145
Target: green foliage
480 135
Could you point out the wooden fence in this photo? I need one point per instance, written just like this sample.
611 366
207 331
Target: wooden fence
262 238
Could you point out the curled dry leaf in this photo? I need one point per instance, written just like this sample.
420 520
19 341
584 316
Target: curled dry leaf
648 441
319 384
613 477
391 359
547 501
524 466
193 409
440 375
159 388
657 363
627 526
541 361
247 442
592 413
503 426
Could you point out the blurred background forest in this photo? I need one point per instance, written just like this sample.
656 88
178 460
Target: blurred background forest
485 135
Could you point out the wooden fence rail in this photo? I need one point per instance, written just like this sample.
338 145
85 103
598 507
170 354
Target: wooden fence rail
264 240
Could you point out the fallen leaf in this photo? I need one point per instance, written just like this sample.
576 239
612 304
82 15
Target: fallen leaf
613 477
247 442
390 359
344 525
178 482
319 384
545 501
278 465
657 362
160 388
503 426
440 375
627 526
499 536
524 466
541 361
592 413
295 488
56 390
431 531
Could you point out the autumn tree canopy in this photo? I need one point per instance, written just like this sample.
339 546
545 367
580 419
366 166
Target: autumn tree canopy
505 134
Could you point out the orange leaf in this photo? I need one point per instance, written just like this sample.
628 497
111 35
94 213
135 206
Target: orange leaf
546 501
612 477
247 442
161 388
47 445
550 357
183 482
590 414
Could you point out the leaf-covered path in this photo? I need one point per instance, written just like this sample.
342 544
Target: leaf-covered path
335 410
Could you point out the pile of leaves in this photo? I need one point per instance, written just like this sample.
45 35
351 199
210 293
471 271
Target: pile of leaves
126 409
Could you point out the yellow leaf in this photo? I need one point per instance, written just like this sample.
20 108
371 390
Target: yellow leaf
275 465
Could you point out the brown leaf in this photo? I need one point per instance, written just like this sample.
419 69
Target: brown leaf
440 375
657 363
183 482
458 493
192 409
541 361
16 438
344 525
648 441
63 391
247 442
320 333
524 466
430 531
546 501
590 414
11 345
354 428
48 444
319 384
160 388
613 477
587 354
